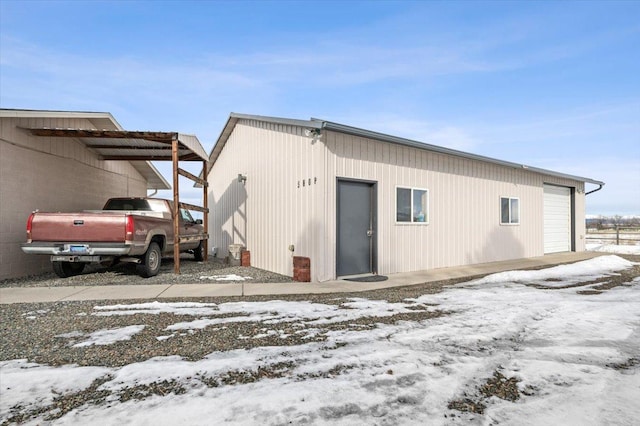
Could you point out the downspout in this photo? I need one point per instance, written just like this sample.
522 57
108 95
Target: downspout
156 191
600 185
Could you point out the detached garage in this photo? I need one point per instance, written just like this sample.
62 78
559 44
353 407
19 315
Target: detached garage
355 201
56 174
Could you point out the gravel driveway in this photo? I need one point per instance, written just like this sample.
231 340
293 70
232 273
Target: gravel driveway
30 330
48 333
191 272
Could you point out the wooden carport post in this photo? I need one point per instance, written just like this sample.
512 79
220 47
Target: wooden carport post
205 203
176 207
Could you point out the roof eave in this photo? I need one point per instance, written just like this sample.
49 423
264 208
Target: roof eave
354 131
316 123
233 119
34 113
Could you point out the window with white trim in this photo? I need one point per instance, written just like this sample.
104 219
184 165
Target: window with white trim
412 205
509 211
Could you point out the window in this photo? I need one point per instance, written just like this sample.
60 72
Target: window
509 211
186 216
412 205
129 204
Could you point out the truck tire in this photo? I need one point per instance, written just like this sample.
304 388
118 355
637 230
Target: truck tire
198 253
67 269
151 260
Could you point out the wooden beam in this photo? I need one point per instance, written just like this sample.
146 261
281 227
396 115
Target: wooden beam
129 147
193 177
163 137
194 207
136 157
195 237
176 208
191 157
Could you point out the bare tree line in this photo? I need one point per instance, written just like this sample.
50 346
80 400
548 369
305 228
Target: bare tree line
613 222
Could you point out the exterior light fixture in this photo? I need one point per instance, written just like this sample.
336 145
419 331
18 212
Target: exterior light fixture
313 133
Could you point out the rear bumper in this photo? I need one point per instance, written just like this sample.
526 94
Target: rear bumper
77 249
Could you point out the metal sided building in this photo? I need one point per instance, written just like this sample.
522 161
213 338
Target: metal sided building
56 174
356 201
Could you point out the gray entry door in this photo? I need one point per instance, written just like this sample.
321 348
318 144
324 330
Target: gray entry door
356 223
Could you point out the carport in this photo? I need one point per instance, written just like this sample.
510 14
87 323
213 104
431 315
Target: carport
129 145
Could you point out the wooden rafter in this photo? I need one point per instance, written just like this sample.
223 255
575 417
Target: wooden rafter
162 137
194 207
193 177
130 147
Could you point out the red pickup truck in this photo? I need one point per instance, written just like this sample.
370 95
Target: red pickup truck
136 230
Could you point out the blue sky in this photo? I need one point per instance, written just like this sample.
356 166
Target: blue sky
549 84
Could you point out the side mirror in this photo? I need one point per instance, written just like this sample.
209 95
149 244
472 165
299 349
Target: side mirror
199 222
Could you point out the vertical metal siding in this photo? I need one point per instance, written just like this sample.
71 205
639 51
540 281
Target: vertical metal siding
271 212
281 209
464 205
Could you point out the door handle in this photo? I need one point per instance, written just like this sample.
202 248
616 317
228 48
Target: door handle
370 233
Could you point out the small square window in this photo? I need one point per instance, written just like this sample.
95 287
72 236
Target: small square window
412 205
509 211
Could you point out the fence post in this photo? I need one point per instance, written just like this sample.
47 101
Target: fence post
617 235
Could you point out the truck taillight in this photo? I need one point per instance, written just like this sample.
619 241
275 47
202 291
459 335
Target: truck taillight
29 226
128 229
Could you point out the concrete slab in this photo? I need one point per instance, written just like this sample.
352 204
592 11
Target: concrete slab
37 294
114 292
421 277
117 292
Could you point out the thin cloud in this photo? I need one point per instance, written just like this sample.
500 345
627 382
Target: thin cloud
440 134
67 75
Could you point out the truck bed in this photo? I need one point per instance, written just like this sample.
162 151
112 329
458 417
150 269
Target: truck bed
85 227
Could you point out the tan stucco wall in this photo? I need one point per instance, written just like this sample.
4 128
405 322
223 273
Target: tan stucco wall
50 174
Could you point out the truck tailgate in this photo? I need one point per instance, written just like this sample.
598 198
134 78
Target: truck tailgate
80 227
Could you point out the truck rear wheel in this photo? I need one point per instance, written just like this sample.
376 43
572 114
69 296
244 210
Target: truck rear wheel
150 265
67 269
198 253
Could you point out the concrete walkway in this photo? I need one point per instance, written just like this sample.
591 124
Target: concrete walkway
168 291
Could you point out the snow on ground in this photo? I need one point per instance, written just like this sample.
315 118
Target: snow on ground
612 248
573 355
230 277
28 383
569 274
184 308
104 337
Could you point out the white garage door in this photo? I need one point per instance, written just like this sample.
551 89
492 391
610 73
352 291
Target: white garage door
557 219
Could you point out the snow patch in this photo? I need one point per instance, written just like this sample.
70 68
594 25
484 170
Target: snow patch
612 248
155 308
103 337
230 277
561 275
